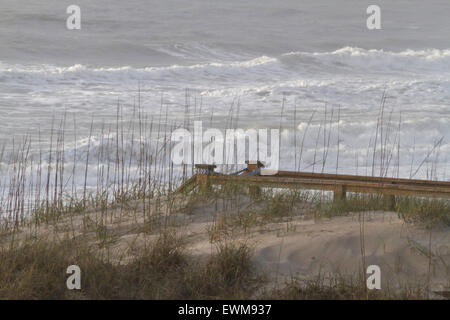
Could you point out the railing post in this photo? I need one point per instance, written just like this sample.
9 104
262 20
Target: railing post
339 193
390 201
254 191
202 181
203 173
253 165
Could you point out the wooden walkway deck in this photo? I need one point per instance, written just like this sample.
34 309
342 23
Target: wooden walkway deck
338 184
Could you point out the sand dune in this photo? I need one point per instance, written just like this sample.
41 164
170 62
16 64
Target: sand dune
333 246
300 247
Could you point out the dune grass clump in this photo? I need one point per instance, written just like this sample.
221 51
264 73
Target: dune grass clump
285 204
37 270
353 203
339 287
227 274
428 212
424 211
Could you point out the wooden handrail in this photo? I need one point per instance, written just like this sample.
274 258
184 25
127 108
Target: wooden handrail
338 183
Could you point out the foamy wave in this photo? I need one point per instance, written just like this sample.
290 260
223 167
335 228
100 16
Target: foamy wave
33 73
429 60
285 67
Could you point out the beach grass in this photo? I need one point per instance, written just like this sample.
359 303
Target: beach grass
49 221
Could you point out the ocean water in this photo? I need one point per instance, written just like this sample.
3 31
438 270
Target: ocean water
270 60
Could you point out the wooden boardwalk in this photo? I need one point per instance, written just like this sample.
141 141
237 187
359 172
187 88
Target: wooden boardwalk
254 175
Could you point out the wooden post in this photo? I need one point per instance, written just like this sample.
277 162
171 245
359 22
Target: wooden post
339 193
203 172
202 181
253 165
390 202
254 191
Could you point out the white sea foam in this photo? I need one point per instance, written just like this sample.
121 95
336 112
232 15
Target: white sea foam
417 83
409 61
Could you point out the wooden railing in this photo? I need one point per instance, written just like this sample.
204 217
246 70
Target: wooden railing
339 184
